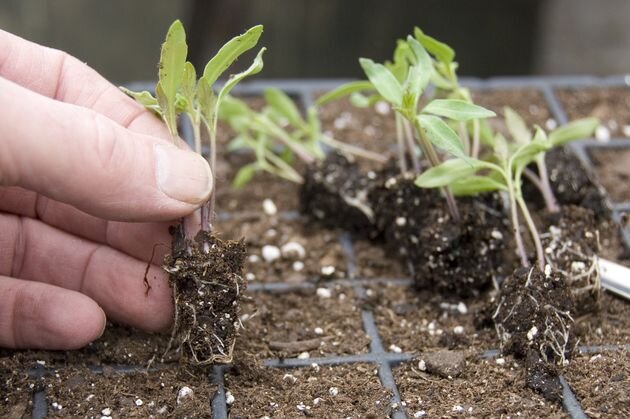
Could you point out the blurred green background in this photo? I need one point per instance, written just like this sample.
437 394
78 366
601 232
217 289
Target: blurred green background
324 38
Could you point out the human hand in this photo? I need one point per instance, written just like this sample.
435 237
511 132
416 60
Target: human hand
88 183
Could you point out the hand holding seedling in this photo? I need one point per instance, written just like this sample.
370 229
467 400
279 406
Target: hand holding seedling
79 160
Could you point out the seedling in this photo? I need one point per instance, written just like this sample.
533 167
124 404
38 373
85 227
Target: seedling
205 272
504 170
179 92
278 134
402 83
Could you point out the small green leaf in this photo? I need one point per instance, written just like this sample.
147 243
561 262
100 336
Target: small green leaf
284 105
189 81
440 50
254 68
456 109
527 153
517 127
383 81
420 72
171 70
500 147
205 98
448 172
403 57
473 185
232 107
344 90
245 175
441 135
237 143
359 100
226 56
144 98
575 130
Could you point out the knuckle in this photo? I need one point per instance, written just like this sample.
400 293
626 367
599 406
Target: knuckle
112 153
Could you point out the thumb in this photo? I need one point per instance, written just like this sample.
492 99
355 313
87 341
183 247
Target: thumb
77 156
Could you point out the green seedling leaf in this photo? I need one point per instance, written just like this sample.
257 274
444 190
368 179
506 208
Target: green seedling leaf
144 98
575 130
473 185
527 153
420 72
359 100
238 143
205 98
456 109
245 175
517 127
284 106
344 90
448 172
230 52
189 82
500 147
441 135
383 81
403 56
255 68
440 50
171 71
232 107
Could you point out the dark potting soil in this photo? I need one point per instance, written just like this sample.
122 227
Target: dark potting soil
208 283
310 253
317 391
612 167
602 383
372 261
372 128
530 104
289 324
610 105
78 392
492 388
453 258
610 325
16 390
335 194
419 322
533 312
571 245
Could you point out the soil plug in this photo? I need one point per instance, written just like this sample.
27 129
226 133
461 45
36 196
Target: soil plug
206 273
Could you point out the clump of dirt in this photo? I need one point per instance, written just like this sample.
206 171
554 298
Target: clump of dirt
335 193
571 247
533 311
207 280
571 183
456 258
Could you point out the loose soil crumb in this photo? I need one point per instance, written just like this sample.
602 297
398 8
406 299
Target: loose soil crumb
77 392
417 322
613 171
485 389
320 391
266 237
304 321
602 383
611 106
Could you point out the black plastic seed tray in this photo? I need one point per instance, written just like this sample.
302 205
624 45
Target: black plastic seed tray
384 360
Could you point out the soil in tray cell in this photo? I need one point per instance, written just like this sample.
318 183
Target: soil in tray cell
372 261
485 389
612 167
318 391
602 383
291 251
610 325
372 128
610 105
410 321
530 104
16 390
290 324
177 392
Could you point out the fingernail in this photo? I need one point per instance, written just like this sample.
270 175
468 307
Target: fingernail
182 175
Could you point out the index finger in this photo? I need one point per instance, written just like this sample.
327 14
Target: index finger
60 76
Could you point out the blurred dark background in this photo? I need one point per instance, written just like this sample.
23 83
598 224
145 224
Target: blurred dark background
324 38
